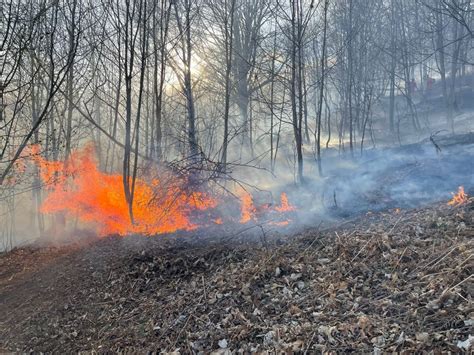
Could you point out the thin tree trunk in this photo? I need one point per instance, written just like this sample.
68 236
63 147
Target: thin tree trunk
158 87
321 90
295 86
228 28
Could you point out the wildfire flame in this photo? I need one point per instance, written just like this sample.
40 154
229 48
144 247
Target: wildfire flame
459 198
247 208
250 212
79 190
285 205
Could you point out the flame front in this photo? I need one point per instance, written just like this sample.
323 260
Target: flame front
285 205
459 198
247 208
78 189
249 212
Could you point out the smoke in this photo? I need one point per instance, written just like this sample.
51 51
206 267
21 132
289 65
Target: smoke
405 177
379 179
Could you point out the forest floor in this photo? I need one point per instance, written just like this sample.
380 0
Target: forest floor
396 280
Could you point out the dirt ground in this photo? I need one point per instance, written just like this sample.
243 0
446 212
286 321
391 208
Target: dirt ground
388 281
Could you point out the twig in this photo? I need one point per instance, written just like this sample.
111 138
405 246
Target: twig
459 283
440 259
361 249
310 343
400 258
314 239
438 149
181 330
391 230
204 288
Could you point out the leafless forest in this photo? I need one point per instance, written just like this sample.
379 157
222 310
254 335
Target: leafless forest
136 134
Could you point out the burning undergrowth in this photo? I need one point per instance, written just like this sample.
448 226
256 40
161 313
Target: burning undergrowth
459 198
164 202
393 280
167 202
78 189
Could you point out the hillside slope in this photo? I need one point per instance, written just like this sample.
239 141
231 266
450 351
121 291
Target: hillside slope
398 280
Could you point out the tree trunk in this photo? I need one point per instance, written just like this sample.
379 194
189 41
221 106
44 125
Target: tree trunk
229 29
321 90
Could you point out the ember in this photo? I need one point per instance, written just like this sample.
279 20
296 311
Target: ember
459 198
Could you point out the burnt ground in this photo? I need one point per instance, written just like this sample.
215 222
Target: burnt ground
391 280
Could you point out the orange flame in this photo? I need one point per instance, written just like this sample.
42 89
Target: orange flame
79 189
247 208
284 204
250 212
281 224
459 198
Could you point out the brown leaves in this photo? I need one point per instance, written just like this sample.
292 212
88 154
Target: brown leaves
390 282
